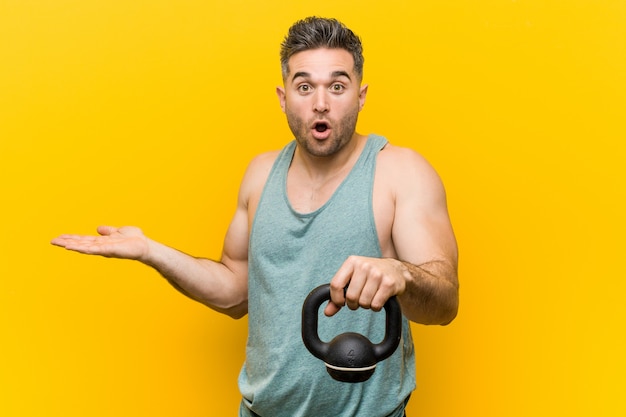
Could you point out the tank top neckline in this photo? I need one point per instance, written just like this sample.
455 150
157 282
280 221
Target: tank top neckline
369 142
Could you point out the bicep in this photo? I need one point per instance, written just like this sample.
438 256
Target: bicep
422 231
235 249
235 252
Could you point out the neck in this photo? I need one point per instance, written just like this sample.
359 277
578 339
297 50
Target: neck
320 168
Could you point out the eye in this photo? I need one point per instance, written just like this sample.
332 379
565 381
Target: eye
337 88
304 88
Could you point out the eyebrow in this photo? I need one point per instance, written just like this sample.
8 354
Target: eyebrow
334 74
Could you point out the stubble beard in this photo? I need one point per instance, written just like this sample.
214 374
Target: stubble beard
341 134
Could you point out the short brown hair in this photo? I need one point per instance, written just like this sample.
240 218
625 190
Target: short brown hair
317 32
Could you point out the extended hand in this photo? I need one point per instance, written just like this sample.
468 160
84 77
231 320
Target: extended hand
370 283
126 242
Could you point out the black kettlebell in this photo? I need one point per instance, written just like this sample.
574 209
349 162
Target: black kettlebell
349 357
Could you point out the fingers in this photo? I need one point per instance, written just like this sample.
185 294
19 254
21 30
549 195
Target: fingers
70 240
88 244
82 244
355 296
67 238
366 288
126 242
337 289
363 282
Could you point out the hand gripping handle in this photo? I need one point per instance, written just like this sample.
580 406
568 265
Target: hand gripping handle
319 349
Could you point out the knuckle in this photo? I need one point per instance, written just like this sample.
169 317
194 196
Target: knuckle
365 300
386 285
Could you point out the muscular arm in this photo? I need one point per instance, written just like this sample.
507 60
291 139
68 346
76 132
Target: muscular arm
431 295
222 286
426 246
420 263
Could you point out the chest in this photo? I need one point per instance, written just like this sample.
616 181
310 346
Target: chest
306 196
305 199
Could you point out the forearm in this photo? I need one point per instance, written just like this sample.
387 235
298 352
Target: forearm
209 282
431 295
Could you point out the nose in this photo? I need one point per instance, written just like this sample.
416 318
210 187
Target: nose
320 103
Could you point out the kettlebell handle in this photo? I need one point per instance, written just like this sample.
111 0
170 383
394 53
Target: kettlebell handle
319 349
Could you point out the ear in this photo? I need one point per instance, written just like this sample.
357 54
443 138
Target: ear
280 92
362 94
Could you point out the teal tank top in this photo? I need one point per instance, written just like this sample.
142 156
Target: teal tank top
290 254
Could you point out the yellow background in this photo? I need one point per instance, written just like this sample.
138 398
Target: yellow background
147 112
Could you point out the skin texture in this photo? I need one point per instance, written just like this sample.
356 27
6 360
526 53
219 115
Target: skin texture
419 263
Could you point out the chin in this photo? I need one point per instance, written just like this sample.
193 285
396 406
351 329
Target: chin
325 148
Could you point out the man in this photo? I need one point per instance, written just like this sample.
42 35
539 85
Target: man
332 206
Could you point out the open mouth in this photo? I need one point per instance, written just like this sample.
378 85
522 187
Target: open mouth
321 127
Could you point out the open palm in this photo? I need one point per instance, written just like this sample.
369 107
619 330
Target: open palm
127 242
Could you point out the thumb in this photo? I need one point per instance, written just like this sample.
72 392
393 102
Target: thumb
106 230
331 309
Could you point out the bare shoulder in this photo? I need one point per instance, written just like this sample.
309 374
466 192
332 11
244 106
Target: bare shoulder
421 231
259 168
256 176
406 171
262 163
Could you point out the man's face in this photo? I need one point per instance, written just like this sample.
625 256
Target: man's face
322 98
